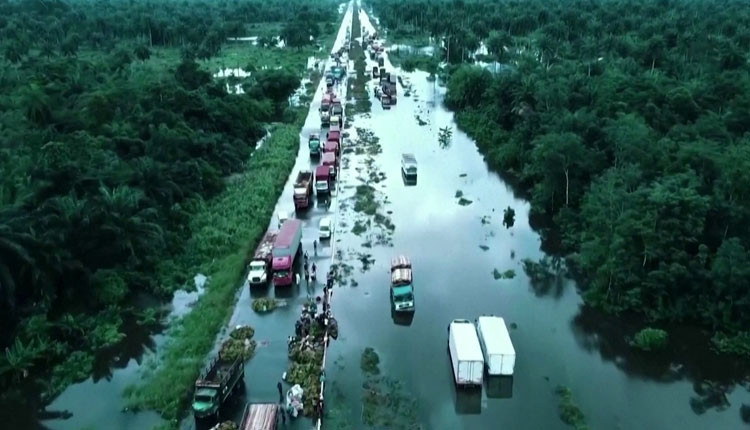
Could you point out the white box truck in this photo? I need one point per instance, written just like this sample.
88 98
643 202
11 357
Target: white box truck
465 352
499 353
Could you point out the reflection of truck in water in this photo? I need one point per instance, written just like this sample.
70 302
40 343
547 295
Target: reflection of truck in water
260 416
260 266
302 189
285 250
402 286
215 385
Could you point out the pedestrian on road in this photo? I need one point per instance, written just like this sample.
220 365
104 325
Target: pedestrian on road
281 396
307 275
315 246
305 265
296 277
314 275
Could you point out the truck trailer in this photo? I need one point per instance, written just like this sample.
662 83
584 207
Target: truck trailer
303 189
466 354
285 249
499 354
260 416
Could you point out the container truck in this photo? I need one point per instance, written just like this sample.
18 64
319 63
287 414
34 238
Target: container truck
499 354
325 103
409 166
332 146
285 249
323 180
466 354
329 159
303 189
260 416
402 286
215 385
260 265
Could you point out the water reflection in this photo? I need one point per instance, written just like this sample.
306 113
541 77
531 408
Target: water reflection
499 387
468 400
402 318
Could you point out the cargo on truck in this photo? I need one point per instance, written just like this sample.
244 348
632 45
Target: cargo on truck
286 248
260 416
499 354
329 159
337 109
335 119
313 143
260 265
325 103
215 385
332 145
402 285
325 118
466 357
323 180
303 189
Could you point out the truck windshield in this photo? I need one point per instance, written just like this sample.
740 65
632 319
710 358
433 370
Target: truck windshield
280 273
205 397
257 265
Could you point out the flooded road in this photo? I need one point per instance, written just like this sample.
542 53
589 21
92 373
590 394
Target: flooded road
450 225
99 403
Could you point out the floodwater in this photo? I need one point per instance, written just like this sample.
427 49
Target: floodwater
454 249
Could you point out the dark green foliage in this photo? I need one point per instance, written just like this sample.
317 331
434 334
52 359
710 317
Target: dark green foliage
650 339
570 413
110 149
369 362
631 138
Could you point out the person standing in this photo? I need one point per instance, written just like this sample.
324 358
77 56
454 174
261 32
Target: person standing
315 246
314 274
281 395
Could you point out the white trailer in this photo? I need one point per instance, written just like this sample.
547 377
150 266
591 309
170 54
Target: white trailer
465 352
497 347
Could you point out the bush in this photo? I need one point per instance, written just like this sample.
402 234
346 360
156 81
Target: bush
264 304
570 413
650 339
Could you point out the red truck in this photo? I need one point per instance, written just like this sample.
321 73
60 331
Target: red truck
303 189
285 249
323 180
260 265
329 159
332 146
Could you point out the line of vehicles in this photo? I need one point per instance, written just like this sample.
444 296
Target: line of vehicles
386 90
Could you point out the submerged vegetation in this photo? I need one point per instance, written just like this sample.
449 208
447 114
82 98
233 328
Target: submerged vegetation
650 339
116 150
570 413
627 122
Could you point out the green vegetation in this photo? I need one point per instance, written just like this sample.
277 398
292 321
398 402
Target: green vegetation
225 233
650 339
117 151
364 200
369 362
633 139
570 413
239 344
264 304
357 88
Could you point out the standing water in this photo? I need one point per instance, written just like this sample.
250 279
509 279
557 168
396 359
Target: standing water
450 225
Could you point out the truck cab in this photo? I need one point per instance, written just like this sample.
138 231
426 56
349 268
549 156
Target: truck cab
329 159
206 403
325 118
402 286
313 143
322 180
258 273
335 119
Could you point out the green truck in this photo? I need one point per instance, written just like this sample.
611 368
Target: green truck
313 143
402 287
215 385
338 72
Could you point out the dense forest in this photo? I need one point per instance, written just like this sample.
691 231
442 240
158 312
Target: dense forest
627 121
107 153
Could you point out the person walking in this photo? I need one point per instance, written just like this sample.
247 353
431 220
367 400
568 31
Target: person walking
281 395
307 275
315 246
314 274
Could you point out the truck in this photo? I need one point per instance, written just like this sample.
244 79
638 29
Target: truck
375 72
303 189
402 286
381 61
390 87
325 103
337 109
385 101
313 142
465 353
325 118
329 159
409 166
338 72
260 416
323 180
499 354
335 119
332 145
285 249
260 265
215 385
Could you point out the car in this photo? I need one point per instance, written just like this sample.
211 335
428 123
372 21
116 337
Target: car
324 229
283 216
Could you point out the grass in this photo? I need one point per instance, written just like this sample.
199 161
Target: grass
369 362
650 339
226 230
364 200
570 413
